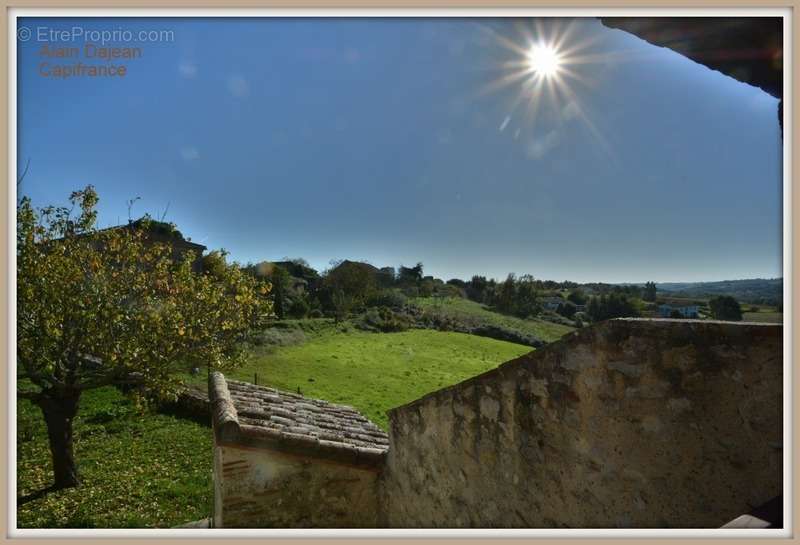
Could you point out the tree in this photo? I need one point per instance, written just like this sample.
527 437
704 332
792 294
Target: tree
103 307
611 305
526 301
476 288
649 293
577 296
281 284
566 309
507 294
348 285
725 307
410 275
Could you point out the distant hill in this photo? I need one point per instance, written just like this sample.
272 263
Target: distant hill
765 291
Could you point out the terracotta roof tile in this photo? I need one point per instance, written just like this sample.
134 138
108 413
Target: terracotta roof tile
248 414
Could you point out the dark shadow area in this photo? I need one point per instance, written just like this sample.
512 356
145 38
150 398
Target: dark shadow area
36 495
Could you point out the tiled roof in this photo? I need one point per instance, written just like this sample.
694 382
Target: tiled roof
253 415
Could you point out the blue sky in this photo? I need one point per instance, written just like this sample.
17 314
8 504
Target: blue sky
385 140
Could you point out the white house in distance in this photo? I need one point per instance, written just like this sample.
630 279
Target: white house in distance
689 311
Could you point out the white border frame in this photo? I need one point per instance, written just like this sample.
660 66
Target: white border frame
785 13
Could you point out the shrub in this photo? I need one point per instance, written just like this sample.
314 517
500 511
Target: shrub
315 313
385 320
725 307
275 337
566 309
298 308
388 298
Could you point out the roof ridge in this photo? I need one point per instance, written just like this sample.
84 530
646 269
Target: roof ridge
223 411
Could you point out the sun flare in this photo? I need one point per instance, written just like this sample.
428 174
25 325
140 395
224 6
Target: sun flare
543 60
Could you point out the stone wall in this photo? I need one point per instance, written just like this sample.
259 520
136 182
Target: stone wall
258 488
630 423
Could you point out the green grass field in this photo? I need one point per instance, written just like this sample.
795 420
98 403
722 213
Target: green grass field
763 316
374 372
466 310
138 471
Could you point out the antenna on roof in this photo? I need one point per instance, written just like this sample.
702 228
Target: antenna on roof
164 215
130 205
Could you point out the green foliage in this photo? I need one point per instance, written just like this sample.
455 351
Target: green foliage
347 286
479 289
426 288
214 263
649 293
386 277
391 298
757 290
99 307
577 296
410 275
474 314
611 305
273 337
725 307
298 308
518 297
566 309
385 320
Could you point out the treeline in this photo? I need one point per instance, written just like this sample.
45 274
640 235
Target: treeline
346 287
349 287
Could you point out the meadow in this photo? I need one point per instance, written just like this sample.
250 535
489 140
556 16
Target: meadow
470 311
374 372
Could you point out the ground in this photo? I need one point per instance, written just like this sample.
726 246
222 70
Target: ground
155 470
138 471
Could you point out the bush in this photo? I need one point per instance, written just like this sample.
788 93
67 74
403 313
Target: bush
298 308
385 320
388 298
279 336
315 313
566 309
505 334
612 305
411 292
725 307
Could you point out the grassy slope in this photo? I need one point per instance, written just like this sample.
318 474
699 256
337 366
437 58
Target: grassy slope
470 310
138 471
377 371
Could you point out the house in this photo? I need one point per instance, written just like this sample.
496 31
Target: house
690 311
161 232
167 233
282 460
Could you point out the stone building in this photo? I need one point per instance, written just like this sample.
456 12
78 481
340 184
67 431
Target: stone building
285 461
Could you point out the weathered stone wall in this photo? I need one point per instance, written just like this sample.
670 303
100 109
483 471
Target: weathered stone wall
258 488
630 423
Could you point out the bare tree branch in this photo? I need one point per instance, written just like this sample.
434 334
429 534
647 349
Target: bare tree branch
24 172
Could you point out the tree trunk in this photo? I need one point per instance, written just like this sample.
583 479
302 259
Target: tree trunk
59 411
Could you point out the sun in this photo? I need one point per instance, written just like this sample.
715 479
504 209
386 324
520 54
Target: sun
543 60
